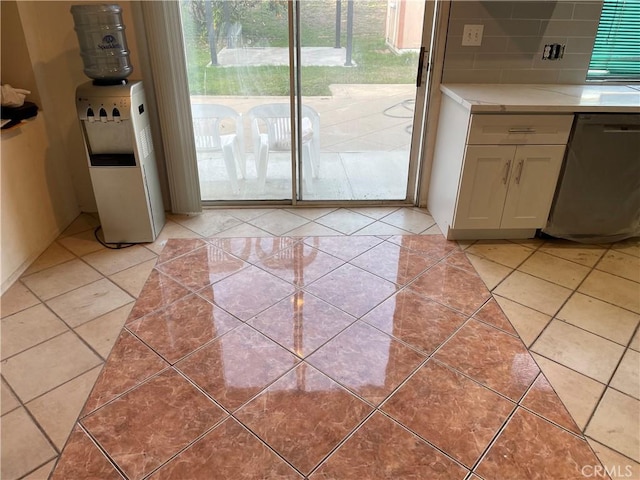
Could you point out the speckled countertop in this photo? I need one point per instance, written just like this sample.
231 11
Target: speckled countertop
495 98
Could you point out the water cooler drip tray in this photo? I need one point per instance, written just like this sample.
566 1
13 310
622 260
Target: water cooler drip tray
112 160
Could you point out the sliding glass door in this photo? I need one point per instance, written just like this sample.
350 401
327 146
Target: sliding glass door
312 100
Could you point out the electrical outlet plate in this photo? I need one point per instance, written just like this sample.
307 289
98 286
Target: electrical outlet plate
472 35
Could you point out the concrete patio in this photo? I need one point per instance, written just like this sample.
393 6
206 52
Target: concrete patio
365 136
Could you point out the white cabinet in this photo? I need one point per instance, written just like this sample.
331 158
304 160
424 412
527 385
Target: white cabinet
494 175
506 186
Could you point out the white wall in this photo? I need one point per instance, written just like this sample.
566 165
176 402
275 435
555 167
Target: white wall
515 33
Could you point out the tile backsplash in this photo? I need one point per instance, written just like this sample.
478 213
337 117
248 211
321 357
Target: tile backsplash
515 33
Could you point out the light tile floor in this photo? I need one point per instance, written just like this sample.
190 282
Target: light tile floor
575 307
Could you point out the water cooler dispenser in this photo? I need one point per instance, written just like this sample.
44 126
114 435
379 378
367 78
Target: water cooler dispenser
114 119
122 164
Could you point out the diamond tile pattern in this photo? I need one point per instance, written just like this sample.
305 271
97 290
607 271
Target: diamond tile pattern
322 357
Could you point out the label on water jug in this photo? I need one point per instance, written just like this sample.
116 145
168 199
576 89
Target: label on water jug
109 42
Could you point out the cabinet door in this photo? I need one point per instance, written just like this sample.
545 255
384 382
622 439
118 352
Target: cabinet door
483 186
532 185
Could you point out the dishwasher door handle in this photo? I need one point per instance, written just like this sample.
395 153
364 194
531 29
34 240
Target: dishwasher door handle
621 128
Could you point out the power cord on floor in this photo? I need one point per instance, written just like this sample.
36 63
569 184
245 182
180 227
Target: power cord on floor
408 104
112 246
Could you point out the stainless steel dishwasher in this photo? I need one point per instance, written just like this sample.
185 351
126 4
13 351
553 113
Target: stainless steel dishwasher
598 194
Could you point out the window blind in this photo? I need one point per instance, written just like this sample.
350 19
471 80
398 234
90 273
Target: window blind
616 52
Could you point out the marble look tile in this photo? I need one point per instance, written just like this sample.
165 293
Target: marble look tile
366 361
54 255
8 400
88 302
630 246
527 322
582 351
237 366
202 267
60 279
613 289
301 323
102 332
460 260
182 327
463 416
554 269
231 452
587 255
491 273
548 452
110 261
543 400
619 465
176 247
278 222
248 292
394 263
24 448
411 220
345 221
433 230
615 423
452 287
533 292
503 252
381 448
132 279
28 328
245 214
344 248
254 249
242 230
621 264
81 459
158 292
343 288
492 314
45 366
599 317
627 376
56 411
148 425
81 243
491 357
580 394
299 264
15 299
430 245
416 320
129 364
319 414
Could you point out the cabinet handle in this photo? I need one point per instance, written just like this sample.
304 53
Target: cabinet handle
520 167
506 172
522 130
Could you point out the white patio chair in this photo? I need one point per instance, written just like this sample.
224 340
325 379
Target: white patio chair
271 132
209 132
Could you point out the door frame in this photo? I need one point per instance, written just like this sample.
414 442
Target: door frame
165 47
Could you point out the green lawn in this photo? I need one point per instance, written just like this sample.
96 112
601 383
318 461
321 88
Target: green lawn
262 27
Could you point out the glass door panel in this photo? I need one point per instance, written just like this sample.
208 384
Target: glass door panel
359 62
239 76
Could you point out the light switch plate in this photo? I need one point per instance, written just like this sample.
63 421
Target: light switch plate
472 35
